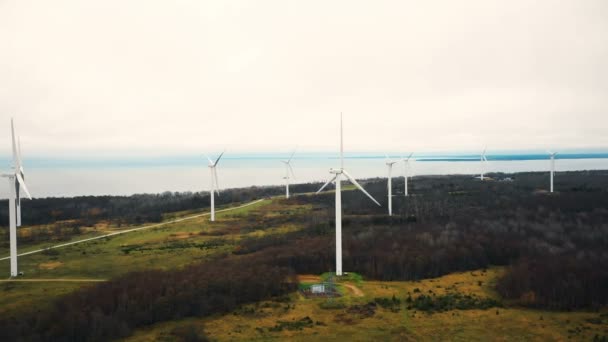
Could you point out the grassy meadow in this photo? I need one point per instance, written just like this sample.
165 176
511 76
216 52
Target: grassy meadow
335 322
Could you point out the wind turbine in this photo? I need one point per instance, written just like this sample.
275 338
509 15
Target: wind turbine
483 160
406 170
552 165
338 179
16 184
214 185
389 184
288 171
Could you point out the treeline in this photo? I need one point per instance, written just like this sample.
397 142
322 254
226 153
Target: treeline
139 208
136 208
115 308
558 282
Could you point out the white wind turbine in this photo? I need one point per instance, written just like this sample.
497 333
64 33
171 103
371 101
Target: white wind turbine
483 162
338 179
389 184
552 165
406 170
214 184
288 172
16 183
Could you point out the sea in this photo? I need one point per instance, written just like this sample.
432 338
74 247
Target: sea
47 177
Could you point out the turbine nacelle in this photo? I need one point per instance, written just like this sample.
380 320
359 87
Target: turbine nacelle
388 160
408 157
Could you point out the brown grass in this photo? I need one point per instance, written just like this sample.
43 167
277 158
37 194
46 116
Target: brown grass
49 265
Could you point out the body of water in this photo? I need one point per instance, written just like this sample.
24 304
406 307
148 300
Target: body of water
48 177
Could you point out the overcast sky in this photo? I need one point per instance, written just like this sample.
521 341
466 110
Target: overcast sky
162 77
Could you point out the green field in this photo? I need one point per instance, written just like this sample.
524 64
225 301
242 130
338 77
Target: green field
298 318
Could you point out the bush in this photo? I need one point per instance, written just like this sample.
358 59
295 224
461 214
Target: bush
452 301
393 304
300 324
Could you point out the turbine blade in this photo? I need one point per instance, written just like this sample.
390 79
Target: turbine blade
326 184
341 143
352 179
19 155
291 156
209 159
218 158
291 171
17 165
410 156
22 185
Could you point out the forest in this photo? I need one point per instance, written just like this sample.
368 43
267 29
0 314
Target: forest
555 245
65 217
554 248
134 209
113 309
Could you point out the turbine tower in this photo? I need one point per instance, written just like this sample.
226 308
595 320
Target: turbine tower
406 170
338 173
552 165
389 184
214 185
288 171
16 183
483 161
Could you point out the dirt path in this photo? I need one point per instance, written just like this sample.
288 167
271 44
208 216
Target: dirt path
355 290
51 280
308 278
134 229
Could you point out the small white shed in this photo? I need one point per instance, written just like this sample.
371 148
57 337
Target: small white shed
317 288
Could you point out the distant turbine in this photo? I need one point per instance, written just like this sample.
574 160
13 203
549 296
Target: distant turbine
214 184
406 170
16 184
389 184
337 178
552 166
483 162
288 171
